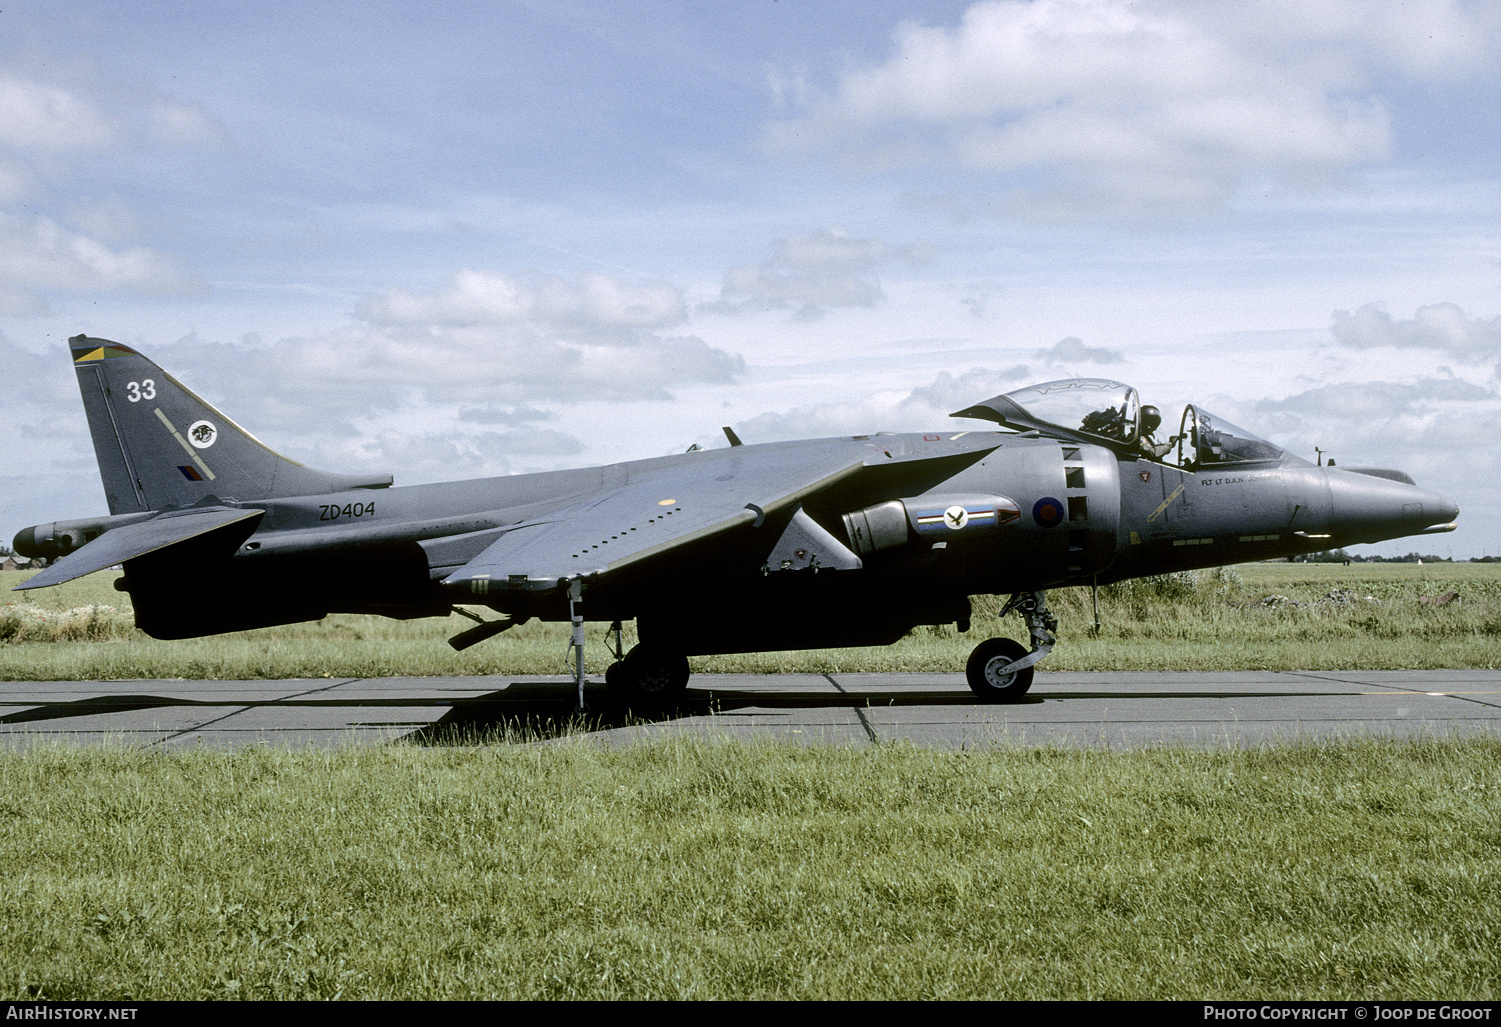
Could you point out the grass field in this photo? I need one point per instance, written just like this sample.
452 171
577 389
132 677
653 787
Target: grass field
1203 621
686 869
694 869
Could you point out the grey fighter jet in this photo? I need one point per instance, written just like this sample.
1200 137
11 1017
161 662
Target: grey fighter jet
791 545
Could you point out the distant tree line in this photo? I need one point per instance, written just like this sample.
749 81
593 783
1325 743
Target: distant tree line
1340 556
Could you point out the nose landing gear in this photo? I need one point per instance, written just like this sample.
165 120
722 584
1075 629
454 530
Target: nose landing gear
1000 669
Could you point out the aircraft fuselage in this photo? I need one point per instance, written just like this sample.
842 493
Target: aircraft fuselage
789 545
1084 515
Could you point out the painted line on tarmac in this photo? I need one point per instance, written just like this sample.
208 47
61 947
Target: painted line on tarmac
236 712
1326 675
1464 696
864 720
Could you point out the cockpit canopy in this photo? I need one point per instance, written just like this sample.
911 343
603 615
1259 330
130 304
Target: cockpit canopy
1210 439
1097 406
1099 410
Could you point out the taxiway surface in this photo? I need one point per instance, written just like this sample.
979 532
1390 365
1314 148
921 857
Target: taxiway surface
1110 709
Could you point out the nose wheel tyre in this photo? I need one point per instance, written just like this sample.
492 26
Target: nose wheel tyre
649 676
986 677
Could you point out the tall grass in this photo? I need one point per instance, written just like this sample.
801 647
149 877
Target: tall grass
92 623
1363 617
686 868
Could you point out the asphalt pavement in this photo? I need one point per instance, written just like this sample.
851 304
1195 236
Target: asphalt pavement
1107 709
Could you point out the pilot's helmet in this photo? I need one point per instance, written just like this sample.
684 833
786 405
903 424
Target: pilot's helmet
1151 417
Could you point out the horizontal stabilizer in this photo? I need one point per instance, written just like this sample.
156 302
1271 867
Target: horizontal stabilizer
134 540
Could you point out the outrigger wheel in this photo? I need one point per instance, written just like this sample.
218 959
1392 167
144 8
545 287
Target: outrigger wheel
649 676
987 675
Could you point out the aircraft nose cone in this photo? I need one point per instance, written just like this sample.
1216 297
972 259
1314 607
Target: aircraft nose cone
1372 508
1437 510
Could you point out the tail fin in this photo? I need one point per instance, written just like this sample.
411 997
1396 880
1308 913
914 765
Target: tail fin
161 446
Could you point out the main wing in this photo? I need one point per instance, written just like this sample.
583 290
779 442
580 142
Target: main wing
657 510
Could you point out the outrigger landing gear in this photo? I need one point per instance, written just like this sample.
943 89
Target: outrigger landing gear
575 596
1000 669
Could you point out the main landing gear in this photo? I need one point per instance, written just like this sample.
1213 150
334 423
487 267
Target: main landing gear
1000 669
648 676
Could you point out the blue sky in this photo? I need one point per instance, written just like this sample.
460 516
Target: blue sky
463 239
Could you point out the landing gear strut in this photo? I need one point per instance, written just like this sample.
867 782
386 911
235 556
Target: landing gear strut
575 596
1000 669
648 677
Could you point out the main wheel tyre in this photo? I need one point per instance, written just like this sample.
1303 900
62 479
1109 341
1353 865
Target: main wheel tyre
649 676
986 678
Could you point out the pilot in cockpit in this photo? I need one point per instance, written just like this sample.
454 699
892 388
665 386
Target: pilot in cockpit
1109 422
1151 420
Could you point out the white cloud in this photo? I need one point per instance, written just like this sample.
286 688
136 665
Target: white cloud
925 407
1374 404
1440 430
1432 40
52 115
484 351
44 117
362 371
513 416
1089 107
1072 351
594 301
175 123
51 109
109 219
488 337
823 420
444 455
1440 327
834 251
16 180
947 393
815 271
37 254
44 436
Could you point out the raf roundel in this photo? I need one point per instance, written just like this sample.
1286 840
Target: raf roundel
202 434
1047 512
